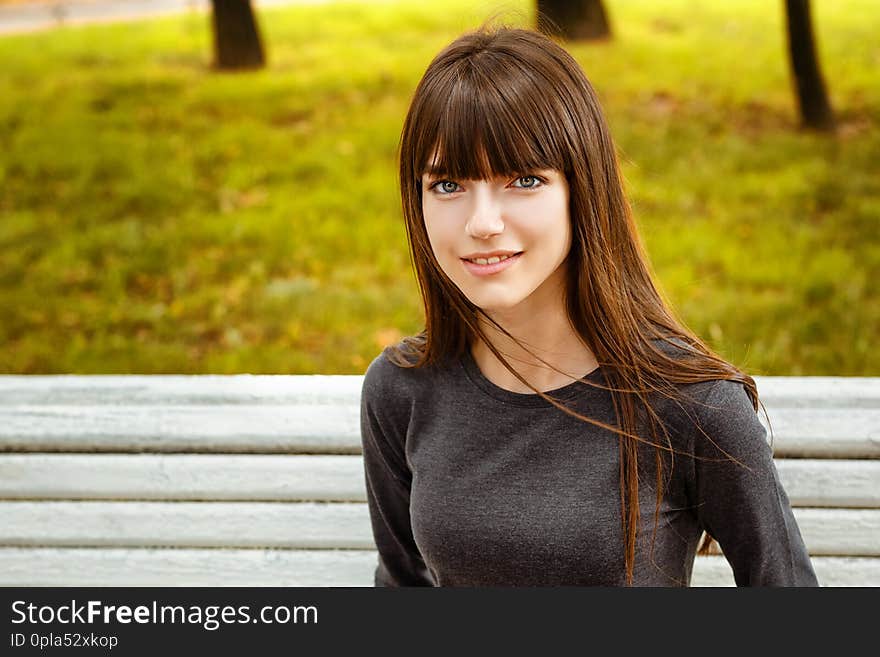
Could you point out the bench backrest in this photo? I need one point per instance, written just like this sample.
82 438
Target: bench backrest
258 480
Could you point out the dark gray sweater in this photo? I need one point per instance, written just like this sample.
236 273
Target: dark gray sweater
469 484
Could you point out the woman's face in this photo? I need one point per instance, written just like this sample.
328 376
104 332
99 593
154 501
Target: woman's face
526 215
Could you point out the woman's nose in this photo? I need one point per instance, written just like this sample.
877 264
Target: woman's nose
485 213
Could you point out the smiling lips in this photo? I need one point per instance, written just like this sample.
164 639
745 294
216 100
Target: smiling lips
484 266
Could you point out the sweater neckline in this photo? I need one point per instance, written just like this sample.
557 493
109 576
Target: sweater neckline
564 393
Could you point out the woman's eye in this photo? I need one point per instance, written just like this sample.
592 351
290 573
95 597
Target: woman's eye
445 186
528 182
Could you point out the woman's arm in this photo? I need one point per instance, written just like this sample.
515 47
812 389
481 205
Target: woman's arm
388 481
744 507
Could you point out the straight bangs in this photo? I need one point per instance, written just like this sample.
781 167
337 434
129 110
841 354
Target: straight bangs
486 119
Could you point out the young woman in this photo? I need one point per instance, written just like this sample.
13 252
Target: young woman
553 424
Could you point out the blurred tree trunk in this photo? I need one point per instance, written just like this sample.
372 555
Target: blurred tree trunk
815 109
574 19
237 42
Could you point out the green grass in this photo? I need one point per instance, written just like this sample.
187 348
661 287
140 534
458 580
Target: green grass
158 217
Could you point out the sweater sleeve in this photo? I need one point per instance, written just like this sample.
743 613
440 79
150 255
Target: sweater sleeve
743 505
388 481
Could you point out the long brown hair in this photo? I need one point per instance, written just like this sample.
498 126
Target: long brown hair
505 101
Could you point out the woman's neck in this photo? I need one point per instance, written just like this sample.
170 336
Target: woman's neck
550 337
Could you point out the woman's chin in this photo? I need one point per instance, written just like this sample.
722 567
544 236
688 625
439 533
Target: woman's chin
493 304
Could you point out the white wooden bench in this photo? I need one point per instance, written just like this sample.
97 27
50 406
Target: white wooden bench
258 480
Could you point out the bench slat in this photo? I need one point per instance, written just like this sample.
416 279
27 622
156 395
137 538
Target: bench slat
184 567
824 432
332 429
206 567
836 532
830 571
778 391
827 483
180 390
186 524
230 477
340 478
335 429
819 391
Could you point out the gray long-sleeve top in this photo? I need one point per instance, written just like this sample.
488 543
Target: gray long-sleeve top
470 484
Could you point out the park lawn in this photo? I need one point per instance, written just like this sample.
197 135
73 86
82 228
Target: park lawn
157 217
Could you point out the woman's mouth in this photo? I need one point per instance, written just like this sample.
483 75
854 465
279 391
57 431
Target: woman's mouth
493 266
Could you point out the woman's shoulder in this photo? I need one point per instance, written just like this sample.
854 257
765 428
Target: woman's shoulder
680 350
394 373
711 402
674 346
